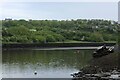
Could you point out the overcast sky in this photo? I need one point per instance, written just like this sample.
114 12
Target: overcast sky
60 10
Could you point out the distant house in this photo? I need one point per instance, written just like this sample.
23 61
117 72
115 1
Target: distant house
83 38
96 26
112 22
8 19
33 30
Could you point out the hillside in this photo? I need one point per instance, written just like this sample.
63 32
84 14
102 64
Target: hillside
44 31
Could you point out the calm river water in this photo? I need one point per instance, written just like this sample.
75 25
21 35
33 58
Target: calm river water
47 63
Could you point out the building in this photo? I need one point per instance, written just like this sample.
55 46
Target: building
8 19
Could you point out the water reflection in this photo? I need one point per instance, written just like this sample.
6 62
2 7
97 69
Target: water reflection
48 64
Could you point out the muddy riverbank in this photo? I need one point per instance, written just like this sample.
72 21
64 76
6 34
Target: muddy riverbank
54 45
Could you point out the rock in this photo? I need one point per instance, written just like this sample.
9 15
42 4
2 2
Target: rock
35 72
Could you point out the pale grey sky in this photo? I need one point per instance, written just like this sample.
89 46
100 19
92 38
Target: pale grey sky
60 10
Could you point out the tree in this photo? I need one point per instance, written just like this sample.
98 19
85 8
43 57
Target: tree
96 37
94 30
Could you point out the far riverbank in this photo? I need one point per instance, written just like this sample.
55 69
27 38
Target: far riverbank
55 45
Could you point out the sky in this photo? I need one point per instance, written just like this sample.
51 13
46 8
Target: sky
59 10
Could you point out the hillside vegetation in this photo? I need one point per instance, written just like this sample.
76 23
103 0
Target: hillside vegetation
44 31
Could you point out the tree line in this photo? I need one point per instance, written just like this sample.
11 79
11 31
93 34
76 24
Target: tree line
45 31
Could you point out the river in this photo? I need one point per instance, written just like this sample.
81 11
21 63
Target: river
48 63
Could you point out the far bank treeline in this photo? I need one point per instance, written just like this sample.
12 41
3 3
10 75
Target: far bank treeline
44 31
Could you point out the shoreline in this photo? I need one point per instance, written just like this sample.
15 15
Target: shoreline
50 49
94 45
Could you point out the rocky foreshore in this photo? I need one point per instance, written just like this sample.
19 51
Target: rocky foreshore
96 73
